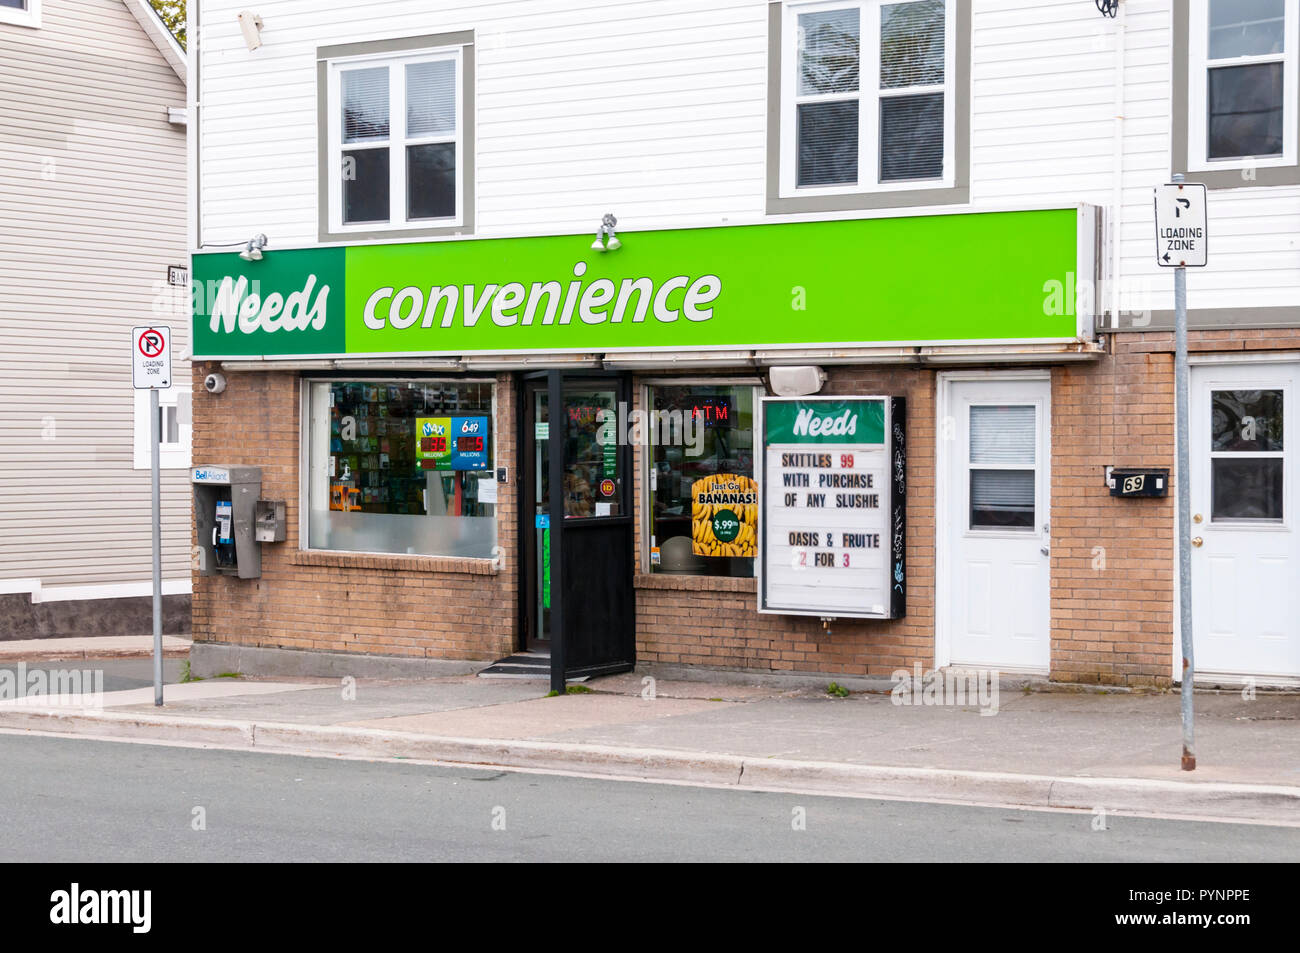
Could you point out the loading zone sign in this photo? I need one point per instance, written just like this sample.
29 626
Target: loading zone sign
1181 237
151 358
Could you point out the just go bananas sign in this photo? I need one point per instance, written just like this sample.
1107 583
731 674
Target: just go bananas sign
724 516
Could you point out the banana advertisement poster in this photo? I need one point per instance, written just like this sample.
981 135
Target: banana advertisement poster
724 516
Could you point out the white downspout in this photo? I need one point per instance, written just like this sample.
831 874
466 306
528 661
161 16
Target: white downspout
1117 174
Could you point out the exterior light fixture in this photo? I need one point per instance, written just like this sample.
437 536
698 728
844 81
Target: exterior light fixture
607 226
1107 8
253 250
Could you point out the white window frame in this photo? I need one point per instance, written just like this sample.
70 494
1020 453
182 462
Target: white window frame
397 141
171 456
1008 532
868 95
1206 465
1198 95
30 15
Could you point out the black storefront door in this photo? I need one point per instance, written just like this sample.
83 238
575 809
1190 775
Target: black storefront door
578 596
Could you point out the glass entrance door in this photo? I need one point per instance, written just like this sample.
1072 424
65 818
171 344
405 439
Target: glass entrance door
593 481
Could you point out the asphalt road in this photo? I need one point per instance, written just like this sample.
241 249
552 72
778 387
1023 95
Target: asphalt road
119 674
71 800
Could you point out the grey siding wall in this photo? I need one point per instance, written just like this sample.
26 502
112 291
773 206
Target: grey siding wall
92 211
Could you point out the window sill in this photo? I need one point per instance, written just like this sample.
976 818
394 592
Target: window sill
881 188
21 18
696 583
897 198
395 562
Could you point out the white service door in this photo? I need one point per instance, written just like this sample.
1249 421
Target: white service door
1245 559
998 608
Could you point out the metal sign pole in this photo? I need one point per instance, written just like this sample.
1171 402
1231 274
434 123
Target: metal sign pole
151 369
1182 408
156 433
555 423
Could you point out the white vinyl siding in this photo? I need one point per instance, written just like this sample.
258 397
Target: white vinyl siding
92 213
656 110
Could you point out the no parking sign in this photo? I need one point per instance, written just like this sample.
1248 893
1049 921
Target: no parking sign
151 358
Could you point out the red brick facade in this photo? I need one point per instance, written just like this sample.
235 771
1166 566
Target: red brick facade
343 602
1112 582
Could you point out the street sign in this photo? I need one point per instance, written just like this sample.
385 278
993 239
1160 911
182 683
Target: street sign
178 275
1181 233
151 370
151 358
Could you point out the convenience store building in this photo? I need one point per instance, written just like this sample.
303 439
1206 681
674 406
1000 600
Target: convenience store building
397 397
956 301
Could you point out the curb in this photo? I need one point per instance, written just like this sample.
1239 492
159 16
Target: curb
213 658
1207 800
77 655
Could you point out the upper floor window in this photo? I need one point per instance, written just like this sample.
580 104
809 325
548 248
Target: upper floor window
21 12
868 101
1242 77
397 152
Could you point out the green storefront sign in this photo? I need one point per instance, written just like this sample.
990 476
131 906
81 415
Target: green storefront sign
931 278
824 421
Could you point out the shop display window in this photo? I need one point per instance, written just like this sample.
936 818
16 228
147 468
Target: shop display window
402 467
703 498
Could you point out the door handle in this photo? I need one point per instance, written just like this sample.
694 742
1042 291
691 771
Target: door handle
1197 541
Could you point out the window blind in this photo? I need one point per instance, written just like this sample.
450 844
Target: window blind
431 99
1002 435
365 104
911 44
829 52
1002 490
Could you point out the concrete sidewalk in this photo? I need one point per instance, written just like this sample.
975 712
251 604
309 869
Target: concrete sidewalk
97 647
1083 751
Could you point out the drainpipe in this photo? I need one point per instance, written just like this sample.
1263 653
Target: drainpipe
1117 174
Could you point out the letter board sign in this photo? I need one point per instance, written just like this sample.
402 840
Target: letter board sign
833 494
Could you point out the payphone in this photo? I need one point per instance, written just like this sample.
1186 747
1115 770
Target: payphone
232 520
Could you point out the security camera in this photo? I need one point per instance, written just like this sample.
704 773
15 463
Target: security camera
215 383
251 26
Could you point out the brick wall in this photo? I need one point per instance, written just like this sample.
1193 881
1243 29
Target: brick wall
1112 585
1112 558
379 604
1112 577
